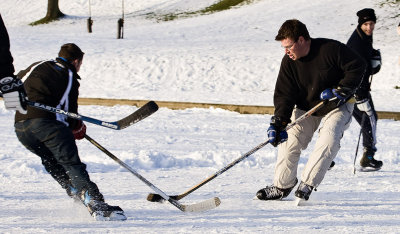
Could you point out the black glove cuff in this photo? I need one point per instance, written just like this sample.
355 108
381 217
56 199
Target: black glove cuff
344 91
361 95
278 123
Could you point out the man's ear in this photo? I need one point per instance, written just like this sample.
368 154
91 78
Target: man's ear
77 64
301 39
74 62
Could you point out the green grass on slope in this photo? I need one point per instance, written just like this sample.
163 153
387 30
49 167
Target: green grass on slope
219 6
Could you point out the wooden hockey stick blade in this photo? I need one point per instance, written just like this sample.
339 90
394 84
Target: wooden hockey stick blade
202 206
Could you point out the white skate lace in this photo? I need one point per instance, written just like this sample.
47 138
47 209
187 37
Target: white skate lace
272 191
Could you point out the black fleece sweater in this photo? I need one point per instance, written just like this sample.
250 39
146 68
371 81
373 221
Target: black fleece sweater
328 64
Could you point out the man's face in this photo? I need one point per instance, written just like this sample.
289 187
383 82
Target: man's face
291 47
368 27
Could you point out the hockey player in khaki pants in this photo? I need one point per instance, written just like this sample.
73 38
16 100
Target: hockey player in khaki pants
312 69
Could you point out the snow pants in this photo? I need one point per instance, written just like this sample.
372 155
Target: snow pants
326 147
54 143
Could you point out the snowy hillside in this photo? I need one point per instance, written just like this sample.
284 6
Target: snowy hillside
225 57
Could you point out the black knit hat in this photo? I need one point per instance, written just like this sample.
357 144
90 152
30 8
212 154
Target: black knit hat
366 14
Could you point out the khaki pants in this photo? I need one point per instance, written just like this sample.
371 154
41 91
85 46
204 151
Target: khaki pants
326 147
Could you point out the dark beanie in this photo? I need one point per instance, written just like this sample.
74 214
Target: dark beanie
366 14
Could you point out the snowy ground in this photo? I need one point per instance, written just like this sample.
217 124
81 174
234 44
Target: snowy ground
176 150
227 57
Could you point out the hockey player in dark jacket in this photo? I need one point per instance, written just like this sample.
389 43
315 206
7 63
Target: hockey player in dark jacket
311 69
364 111
52 136
11 87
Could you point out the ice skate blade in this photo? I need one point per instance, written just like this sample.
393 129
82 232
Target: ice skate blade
368 169
113 216
299 202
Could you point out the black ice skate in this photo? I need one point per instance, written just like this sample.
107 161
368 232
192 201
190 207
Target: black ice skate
368 163
100 210
303 193
273 193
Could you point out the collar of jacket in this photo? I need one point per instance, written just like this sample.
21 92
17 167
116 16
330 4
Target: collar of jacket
67 65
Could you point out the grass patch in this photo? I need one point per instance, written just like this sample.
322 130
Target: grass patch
224 5
44 21
219 6
392 4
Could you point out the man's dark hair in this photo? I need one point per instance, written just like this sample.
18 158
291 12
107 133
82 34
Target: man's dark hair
292 29
70 52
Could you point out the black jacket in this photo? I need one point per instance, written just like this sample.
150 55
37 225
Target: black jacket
362 44
329 64
6 60
47 83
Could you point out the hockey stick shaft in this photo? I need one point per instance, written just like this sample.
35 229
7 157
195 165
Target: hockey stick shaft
154 197
143 112
358 143
201 206
157 190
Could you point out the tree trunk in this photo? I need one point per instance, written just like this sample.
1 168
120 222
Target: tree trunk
53 13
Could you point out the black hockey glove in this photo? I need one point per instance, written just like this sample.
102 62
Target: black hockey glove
376 61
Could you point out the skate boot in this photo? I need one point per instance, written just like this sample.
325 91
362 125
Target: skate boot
303 193
73 193
100 210
368 163
273 193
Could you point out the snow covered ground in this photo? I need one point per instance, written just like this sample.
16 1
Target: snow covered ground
226 57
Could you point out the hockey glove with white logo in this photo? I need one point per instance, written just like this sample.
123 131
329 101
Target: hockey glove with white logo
79 131
364 105
14 94
276 131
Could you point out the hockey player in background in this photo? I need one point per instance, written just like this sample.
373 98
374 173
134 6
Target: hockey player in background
364 110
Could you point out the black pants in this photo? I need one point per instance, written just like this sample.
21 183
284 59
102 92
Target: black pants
54 143
367 131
